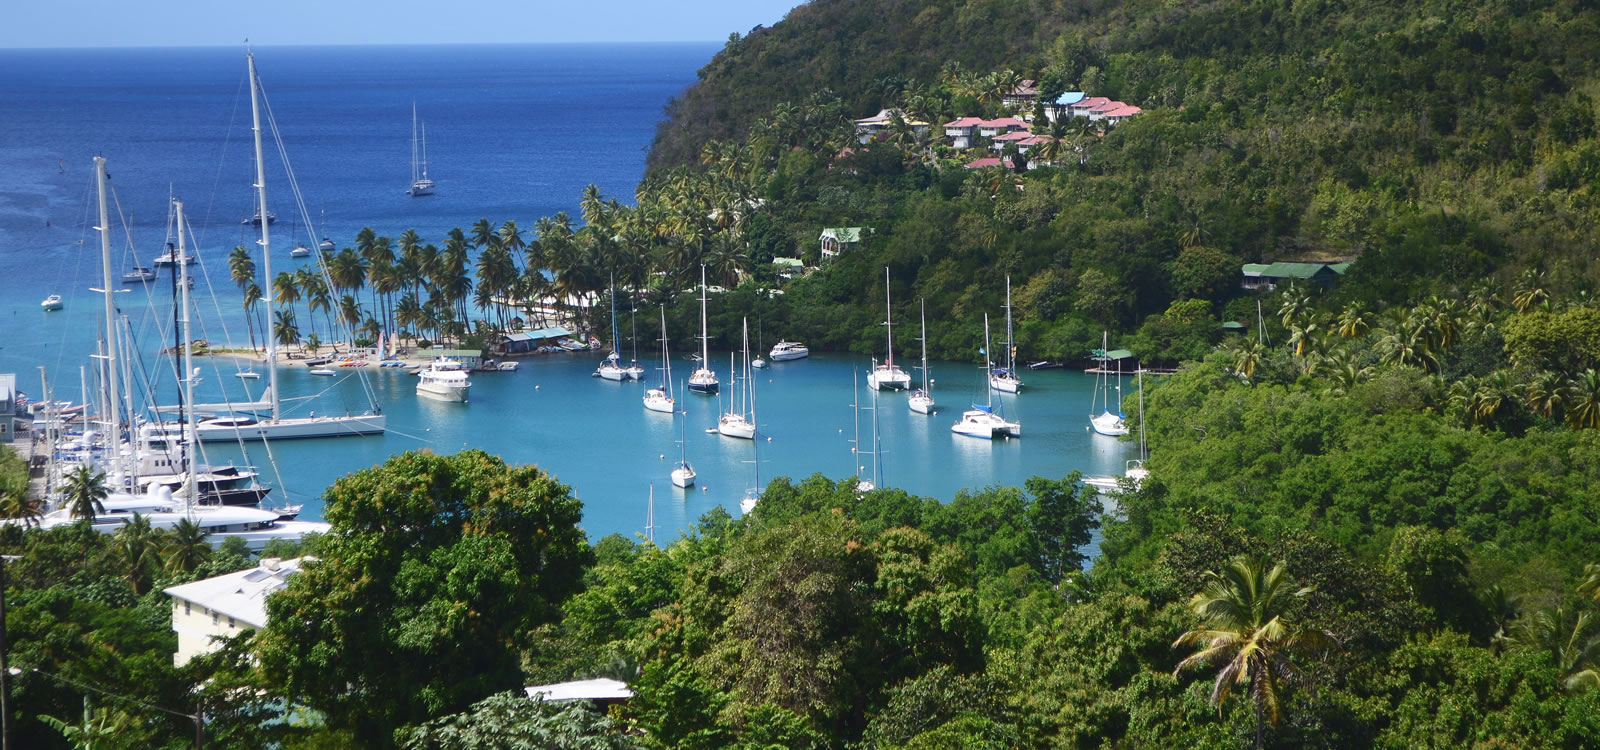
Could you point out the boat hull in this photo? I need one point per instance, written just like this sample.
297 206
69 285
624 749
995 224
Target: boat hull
659 403
683 478
289 429
920 404
889 380
789 355
1108 424
440 392
1005 385
613 374
703 381
736 427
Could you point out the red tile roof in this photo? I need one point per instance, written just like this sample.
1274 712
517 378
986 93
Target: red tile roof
1106 106
965 122
980 163
1126 110
1093 101
1004 122
1015 135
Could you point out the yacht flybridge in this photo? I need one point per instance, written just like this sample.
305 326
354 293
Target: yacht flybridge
445 380
784 351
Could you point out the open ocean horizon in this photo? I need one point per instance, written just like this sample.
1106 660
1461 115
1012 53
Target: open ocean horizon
514 132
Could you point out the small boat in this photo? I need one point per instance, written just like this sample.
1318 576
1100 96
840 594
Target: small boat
784 351
255 219
921 400
420 184
1004 379
171 256
139 275
888 375
703 380
759 363
247 375
444 379
326 245
683 474
1107 423
322 372
661 398
1045 364
300 251
981 421
740 423
51 303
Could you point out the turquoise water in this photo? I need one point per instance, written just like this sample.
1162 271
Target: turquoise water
597 437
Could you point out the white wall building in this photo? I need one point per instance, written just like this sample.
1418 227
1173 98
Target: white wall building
226 605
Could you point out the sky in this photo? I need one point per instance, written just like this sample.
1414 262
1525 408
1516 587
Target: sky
186 23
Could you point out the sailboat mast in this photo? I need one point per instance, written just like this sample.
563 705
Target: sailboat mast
1011 347
189 438
424 127
987 364
1142 444
614 348
927 382
705 344
113 403
265 241
666 361
888 315
855 445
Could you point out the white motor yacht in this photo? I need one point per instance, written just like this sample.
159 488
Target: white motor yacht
784 351
220 522
51 303
445 379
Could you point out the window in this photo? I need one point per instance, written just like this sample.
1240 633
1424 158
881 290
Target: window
186 608
230 622
214 618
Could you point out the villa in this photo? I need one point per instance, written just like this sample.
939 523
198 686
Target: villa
1269 275
836 240
224 606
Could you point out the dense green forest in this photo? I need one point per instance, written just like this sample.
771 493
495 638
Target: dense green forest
1373 520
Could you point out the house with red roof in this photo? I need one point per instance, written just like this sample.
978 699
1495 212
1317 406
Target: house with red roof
991 161
1081 107
1114 116
992 128
960 131
1022 96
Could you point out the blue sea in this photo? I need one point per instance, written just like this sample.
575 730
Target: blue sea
513 133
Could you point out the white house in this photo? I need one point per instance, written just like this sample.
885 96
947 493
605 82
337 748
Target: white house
226 605
1114 116
1062 105
992 128
870 128
960 131
1022 96
1082 107
836 240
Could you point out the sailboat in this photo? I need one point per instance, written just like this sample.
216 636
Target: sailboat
740 419
752 494
981 421
758 363
611 367
276 426
703 380
921 400
634 371
660 398
1136 470
888 374
1004 379
420 184
683 474
862 485
1107 422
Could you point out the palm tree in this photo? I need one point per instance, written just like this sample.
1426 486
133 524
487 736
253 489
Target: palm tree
1307 337
252 296
138 545
1582 398
1572 638
16 506
1590 586
312 344
1546 392
241 267
1245 630
1530 291
187 547
1409 348
1293 306
283 327
1247 356
85 492
1354 321
285 290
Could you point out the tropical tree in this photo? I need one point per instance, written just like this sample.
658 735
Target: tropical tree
252 297
1590 586
1247 356
1531 291
1246 630
241 267
1572 638
15 505
85 491
1582 399
284 328
138 546
1546 392
312 344
186 547
1354 321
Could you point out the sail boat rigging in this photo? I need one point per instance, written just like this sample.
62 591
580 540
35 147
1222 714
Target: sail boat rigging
981 421
888 374
921 400
420 184
703 380
683 474
1107 423
1004 379
661 398
740 419
611 367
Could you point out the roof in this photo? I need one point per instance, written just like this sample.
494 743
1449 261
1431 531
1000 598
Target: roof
1126 110
1003 122
843 234
881 117
553 332
241 595
1071 97
980 163
1233 325
965 122
1289 270
787 262
1015 135
1255 269
1093 101
1339 268
453 352
599 689
1029 87
1113 354
1106 106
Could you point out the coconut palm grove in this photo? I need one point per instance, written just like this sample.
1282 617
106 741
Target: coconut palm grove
1360 234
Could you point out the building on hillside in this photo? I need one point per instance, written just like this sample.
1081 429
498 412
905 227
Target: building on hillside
960 131
879 125
1022 96
789 268
1118 114
1081 107
224 606
1062 105
836 240
999 142
991 161
992 128
602 691
1269 275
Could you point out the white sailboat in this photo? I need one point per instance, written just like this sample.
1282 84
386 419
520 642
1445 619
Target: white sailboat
865 485
683 474
1107 422
611 367
444 379
420 184
172 256
661 398
981 421
1004 379
759 363
277 426
888 374
752 494
703 380
921 400
1136 470
740 419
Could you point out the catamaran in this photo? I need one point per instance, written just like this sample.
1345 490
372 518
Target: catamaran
740 419
921 400
661 398
420 184
703 380
981 421
1004 379
1107 422
888 374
